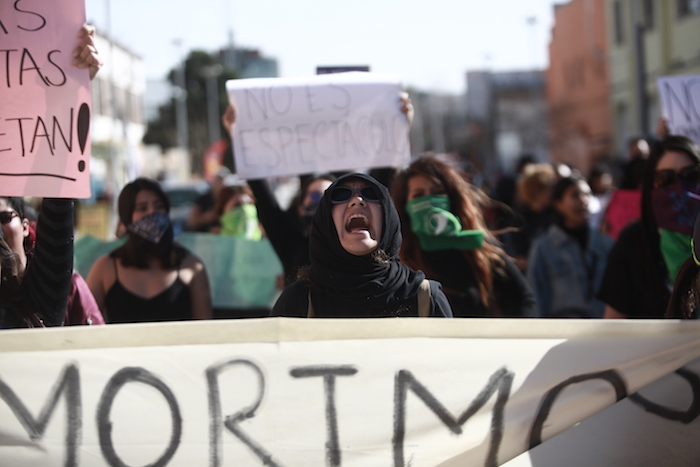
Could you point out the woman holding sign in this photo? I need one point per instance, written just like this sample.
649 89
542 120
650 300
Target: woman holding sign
34 293
149 278
355 270
445 236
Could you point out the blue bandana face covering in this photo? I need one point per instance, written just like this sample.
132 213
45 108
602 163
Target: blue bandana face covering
151 227
676 207
437 228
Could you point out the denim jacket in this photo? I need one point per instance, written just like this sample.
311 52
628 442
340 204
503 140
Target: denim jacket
566 279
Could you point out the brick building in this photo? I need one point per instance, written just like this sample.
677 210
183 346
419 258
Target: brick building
578 85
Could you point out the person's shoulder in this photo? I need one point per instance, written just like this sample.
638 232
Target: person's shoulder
435 288
104 261
293 302
191 262
297 288
544 240
631 235
102 271
441 306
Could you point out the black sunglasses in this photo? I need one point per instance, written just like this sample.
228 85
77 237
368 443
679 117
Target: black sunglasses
667 177
343 194
7 216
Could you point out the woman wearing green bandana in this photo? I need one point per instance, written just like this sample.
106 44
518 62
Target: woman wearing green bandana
646 258
238 216
445 236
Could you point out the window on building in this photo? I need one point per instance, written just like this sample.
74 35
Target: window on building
619 22
648 18
688 7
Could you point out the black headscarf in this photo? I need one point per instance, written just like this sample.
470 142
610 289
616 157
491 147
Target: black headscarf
346 285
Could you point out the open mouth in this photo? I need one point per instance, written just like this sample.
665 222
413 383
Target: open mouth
356 223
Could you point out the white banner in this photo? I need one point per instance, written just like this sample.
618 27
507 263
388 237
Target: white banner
333 122
290 392
680 98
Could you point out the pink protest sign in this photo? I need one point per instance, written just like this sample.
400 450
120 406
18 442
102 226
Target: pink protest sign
45 110
625 206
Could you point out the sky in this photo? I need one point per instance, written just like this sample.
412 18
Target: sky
431 44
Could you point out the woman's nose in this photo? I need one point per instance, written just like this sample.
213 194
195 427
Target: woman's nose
357 199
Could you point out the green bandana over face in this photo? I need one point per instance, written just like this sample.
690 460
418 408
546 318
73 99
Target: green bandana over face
437 228
241 222
675 250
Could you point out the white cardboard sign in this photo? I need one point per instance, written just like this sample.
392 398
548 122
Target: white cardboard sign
334 122
680 98
292 392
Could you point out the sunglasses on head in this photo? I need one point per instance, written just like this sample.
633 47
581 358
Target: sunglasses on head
343 194
7 216
667 177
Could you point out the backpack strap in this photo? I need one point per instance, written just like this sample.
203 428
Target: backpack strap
310 309
423 299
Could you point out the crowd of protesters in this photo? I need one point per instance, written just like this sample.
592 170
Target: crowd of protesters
416 241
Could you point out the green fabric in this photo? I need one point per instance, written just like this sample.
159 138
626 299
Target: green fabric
88 248
242 273
675 248
241 222
437 228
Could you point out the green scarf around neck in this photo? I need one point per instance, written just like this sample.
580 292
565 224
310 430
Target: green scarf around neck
675 248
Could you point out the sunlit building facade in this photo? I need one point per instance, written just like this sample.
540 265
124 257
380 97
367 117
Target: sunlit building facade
647 39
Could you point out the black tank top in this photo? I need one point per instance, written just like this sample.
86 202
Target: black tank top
173 303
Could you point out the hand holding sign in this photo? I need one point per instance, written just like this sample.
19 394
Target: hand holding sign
85 55
324 123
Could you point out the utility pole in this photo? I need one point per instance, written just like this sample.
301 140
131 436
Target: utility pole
640 68
211 73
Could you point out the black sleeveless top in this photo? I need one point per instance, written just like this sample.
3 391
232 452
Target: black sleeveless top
172 304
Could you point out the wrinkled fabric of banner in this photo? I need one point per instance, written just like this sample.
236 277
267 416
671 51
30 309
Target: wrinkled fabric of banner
289 392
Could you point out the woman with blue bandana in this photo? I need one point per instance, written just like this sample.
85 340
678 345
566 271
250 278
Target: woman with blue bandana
149 278
645 260
446 237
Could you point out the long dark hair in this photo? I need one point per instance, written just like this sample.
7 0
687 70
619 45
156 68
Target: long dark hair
137 251
651 249
558 192
686 292
466 205
14 309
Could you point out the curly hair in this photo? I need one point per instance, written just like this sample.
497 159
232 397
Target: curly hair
685 298
13 300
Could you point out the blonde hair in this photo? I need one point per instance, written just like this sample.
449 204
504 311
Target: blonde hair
535 180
